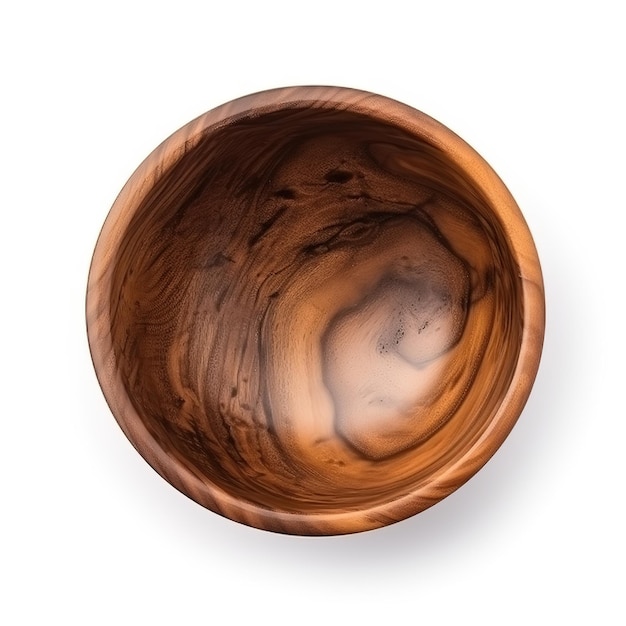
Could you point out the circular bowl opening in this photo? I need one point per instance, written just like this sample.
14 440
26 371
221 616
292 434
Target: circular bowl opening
315 310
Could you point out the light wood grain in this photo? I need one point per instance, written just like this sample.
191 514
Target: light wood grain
315 310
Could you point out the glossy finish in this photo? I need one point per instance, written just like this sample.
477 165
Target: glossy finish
315 310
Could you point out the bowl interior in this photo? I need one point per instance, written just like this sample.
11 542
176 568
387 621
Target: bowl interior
314 310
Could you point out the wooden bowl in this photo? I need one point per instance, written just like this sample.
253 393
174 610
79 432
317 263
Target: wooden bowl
315 310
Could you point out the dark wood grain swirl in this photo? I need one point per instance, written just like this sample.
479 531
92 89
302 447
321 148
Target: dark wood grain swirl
315 311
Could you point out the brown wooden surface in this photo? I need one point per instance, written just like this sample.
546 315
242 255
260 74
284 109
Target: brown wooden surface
315 310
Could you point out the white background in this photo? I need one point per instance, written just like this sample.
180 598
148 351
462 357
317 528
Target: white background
89 534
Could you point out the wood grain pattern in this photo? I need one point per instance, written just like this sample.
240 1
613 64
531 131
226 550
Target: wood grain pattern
315 310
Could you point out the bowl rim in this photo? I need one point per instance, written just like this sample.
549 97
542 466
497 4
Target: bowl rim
441 483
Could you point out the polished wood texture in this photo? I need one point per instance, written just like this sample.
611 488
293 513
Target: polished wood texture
315 310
